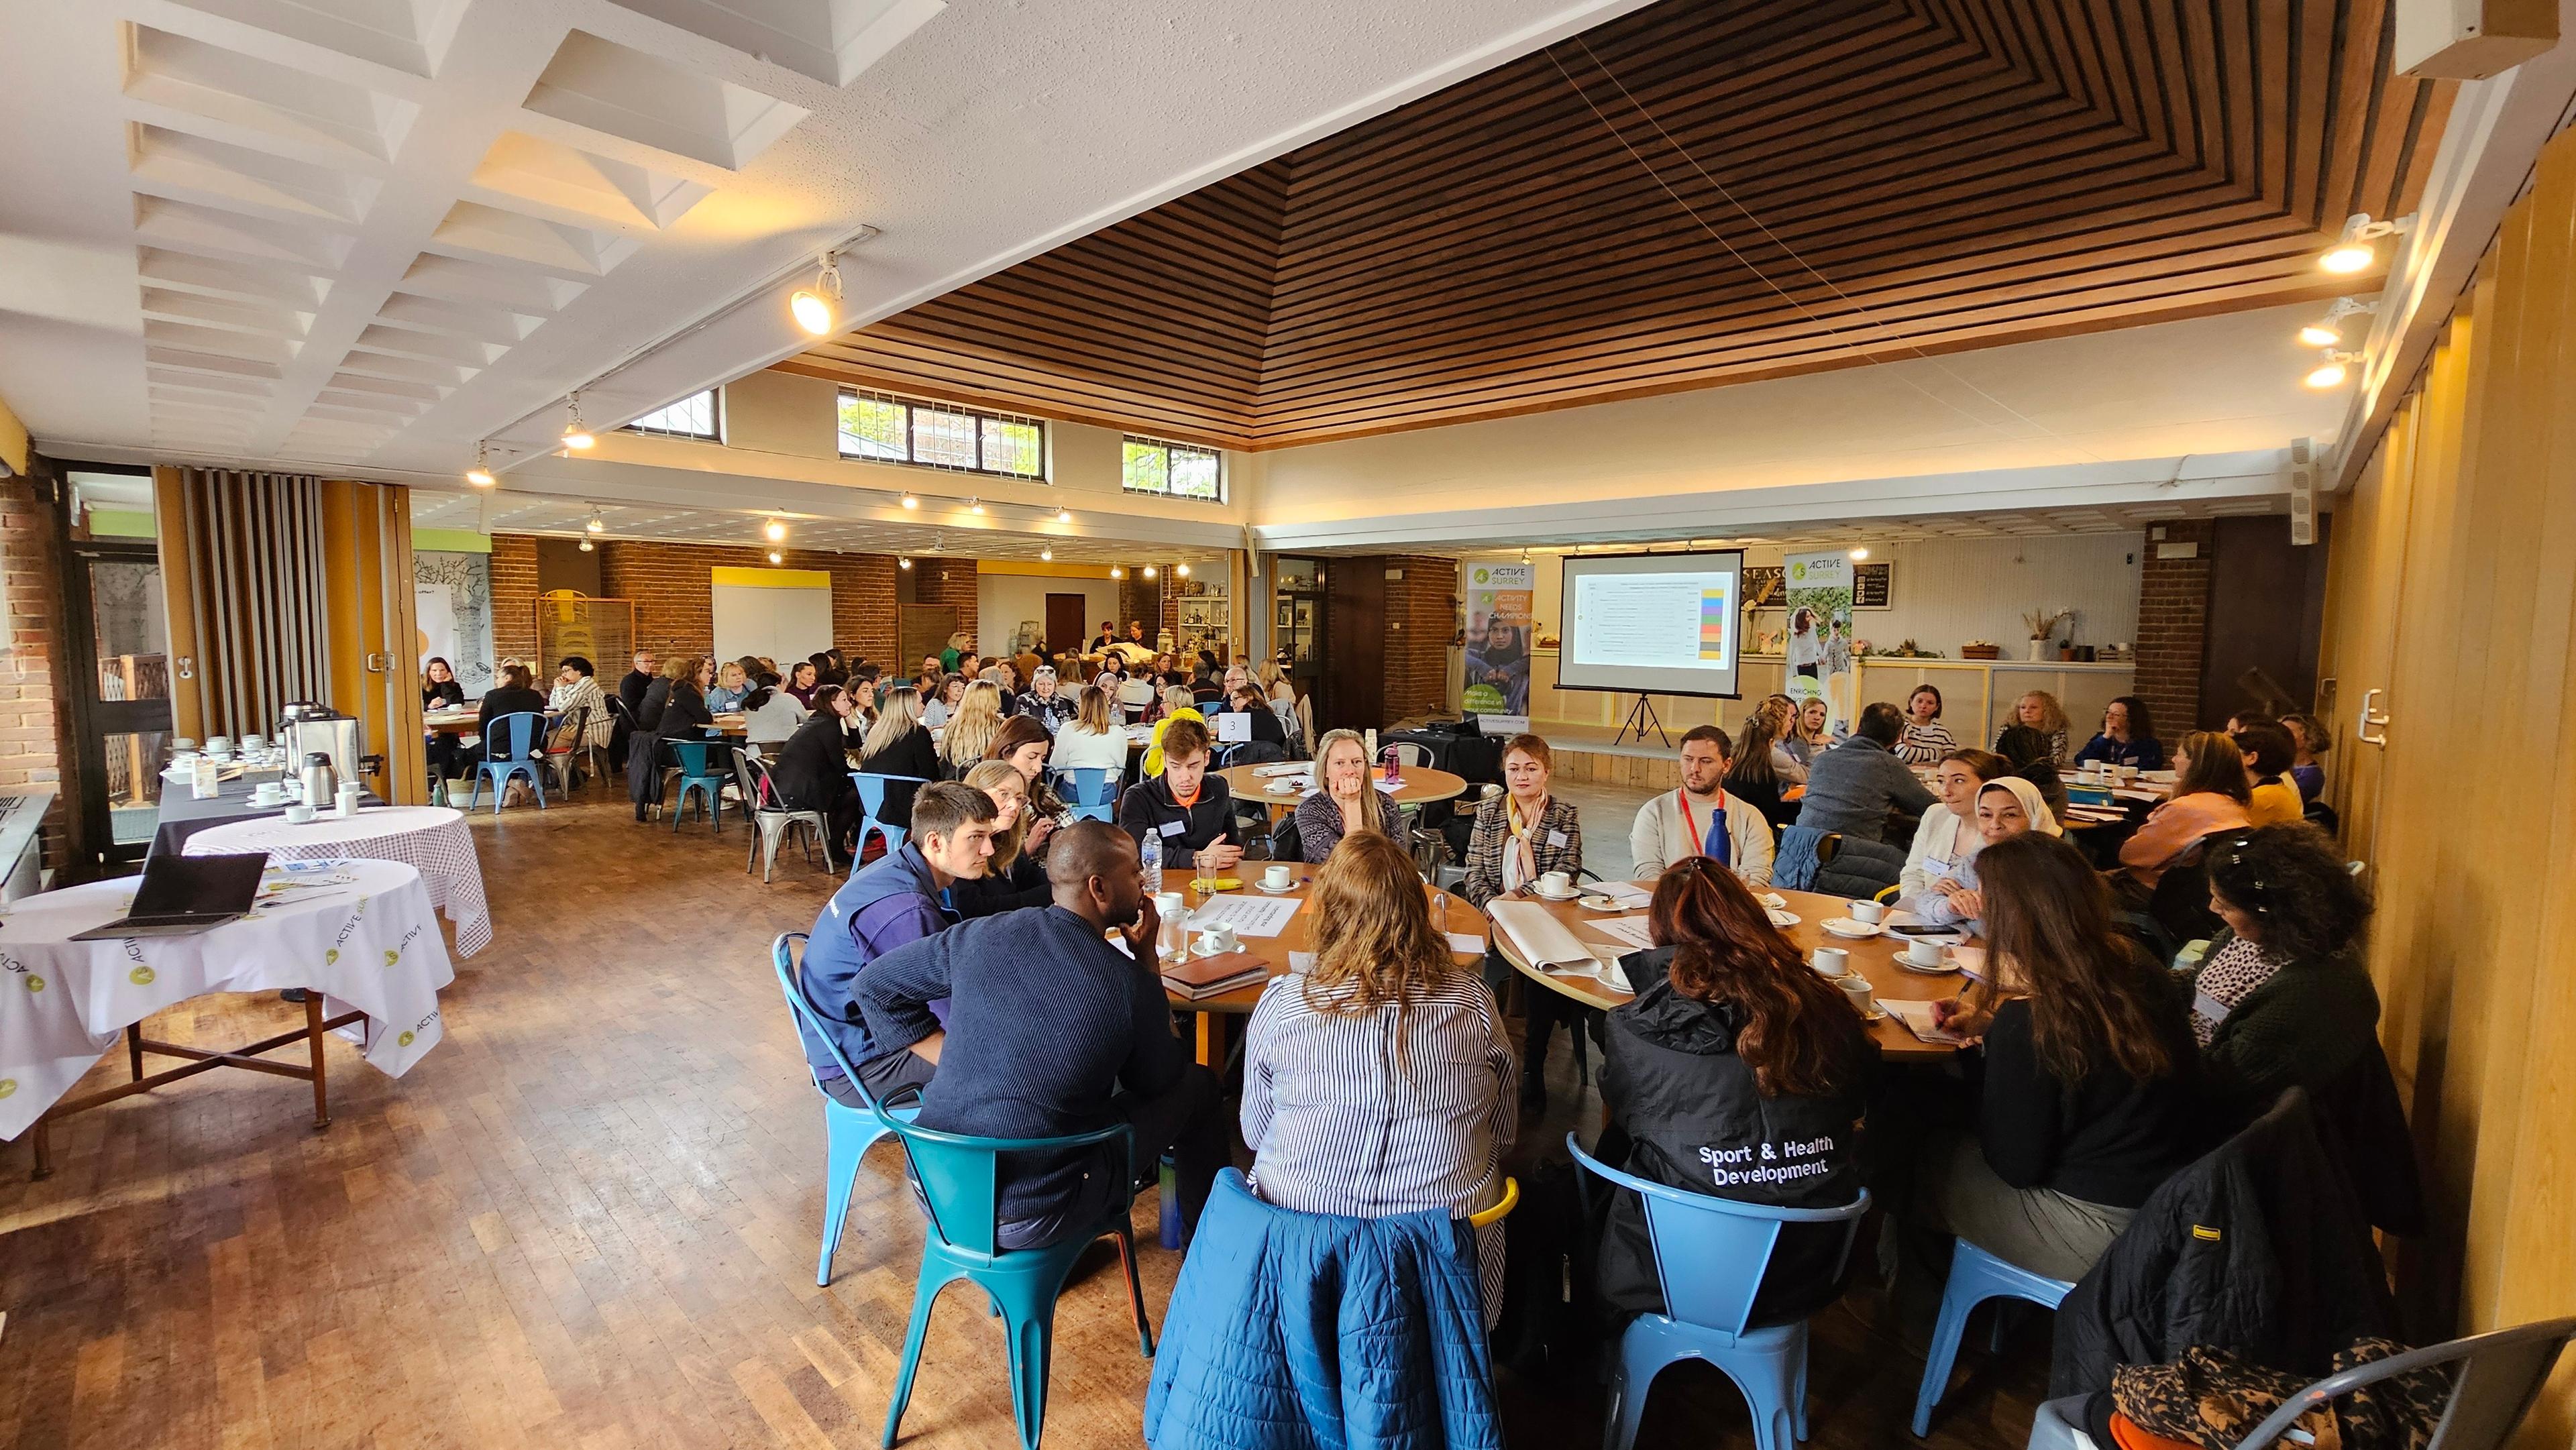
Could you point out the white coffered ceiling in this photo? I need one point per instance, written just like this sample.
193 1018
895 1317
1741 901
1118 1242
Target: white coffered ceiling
365 235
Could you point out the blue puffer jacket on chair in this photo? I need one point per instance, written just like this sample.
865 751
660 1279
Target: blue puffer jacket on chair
1310 1331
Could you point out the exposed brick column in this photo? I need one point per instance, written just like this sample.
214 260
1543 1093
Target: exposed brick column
1421 614
35 717
514 598
1141 598
2173 625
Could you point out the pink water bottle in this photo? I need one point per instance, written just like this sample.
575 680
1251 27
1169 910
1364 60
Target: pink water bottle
1394 772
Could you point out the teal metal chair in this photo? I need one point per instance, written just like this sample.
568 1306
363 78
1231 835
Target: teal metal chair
959 1178
512 748
1091 793
850 1131
1710 1256
872 810
1975 1277
700 773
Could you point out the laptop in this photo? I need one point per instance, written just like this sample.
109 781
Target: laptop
184 895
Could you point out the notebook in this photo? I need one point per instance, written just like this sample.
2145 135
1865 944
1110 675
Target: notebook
1201 977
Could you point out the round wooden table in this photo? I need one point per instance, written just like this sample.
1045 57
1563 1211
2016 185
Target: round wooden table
1872 957
1420 785
1462 919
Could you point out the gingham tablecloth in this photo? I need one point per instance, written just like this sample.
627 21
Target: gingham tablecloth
431 839
360 932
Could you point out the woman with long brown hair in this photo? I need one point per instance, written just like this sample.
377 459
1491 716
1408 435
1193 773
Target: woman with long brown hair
2209 796
2090 1076
1738 1072
1378 1081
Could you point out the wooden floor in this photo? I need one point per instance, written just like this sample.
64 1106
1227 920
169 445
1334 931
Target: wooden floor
589 1219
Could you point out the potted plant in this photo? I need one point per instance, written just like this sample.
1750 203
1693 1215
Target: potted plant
2043 623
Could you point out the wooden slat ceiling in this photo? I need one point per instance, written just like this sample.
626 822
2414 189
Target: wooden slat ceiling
1706 192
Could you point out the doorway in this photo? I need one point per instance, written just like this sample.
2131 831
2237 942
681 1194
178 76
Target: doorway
1066 627
120 697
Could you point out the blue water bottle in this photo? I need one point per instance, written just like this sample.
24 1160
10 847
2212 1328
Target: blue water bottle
1171 1185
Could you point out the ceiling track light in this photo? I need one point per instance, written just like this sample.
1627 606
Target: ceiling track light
1047 553
2332 371
1117 573
2327 331
776 532
480 475
816 307
586 545
774 557
1064 516
575 436
1181 569
2356 250
1149 571
903 563
911 501
1859 554
974 505
596 524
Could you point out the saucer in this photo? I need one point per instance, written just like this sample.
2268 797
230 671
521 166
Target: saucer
1874 1014
1284 787
1543 894
1945 968
1857 930
1266 889
1784 918
1592 902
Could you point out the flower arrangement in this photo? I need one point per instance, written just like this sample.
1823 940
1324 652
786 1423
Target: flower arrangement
2044 622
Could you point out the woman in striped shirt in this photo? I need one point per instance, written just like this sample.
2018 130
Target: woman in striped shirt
1379 1081
1925 739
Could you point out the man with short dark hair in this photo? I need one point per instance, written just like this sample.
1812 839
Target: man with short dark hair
1701 819
1052 1031
1852 787
1189 808
900 899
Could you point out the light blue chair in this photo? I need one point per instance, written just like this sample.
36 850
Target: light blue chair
959 1178
1975 1277
850 1131
872 798
700 774
1710 1256
510 747
1091 792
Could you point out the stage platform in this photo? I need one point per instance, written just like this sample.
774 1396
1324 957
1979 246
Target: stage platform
1586 753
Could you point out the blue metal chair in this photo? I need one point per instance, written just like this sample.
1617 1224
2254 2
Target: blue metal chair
1091 792
850 1131
1710 1256
698 773
960 1178
510 747
2500 1373
872 799
1975 1277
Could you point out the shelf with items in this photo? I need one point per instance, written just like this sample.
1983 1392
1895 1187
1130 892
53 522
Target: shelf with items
1206 621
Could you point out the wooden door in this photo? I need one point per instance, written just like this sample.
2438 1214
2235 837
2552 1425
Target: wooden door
1065 626
1353 669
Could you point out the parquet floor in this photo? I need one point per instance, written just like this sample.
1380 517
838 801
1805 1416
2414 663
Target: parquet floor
588 1221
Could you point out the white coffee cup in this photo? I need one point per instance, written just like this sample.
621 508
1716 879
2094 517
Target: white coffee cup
268 795
299 814
1276 877
1868 911
1923 953
1856 990
1170 905
1830 961
1555 883
2128 775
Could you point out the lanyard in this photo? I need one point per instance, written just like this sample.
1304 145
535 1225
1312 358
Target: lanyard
1715 844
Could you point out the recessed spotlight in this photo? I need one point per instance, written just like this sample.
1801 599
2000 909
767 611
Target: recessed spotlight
911 502
776 531
575 436
812 306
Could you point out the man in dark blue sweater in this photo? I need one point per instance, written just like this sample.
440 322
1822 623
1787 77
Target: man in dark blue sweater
1054 1031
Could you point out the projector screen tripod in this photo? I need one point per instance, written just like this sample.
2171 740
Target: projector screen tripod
1640 716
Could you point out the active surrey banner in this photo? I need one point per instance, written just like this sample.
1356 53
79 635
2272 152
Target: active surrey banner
1498 638
1819 647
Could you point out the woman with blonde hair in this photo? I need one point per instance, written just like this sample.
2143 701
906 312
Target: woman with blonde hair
1378 1081
2039 710
730 686
1093 739
1344 803
1014 877
899 744
971 729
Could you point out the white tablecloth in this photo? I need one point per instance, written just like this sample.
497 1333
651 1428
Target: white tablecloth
362 932
431 839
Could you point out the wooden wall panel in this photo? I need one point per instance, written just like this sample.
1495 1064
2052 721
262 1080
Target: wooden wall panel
2453 588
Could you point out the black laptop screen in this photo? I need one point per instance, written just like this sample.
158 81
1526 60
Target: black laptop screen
173 885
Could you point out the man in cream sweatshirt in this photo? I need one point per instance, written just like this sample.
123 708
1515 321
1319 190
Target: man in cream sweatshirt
1701 819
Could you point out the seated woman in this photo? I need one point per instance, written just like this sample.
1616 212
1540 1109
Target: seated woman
2027 748
812 772
2038 710
970 730
515 695
2268 748
2006 807
576 691
1523 833
946 693
899 744
1250 703
439 690
1925 739
2090 1100
1344 801
730 687
1732 1052
1378 1081
2128 737
2313 740
1806 738
2282 999
771 716
1046 702
2209 796
1022 744
1948 833
1754 772
1093 739
802 681
1014 877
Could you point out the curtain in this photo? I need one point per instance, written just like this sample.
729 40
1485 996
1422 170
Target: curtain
255 588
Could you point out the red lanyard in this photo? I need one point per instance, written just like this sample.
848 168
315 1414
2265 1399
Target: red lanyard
1716 813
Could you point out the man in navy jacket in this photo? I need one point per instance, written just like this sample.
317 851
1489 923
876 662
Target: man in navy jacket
1052 1030
900 899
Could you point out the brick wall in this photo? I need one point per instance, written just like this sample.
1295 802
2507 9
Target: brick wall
1421 615
673 589
951 582
2173 625
514 598
34 717
1139 598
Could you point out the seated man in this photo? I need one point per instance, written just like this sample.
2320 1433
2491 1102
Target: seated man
1853 786
1191 810
1052 1031
896 901
1701 819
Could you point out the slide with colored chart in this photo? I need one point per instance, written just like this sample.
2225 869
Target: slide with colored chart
1661 624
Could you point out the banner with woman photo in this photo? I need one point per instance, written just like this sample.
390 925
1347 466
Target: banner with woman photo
1819 646
1499 599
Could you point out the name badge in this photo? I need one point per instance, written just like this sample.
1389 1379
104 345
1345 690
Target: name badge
2208 1007
1173 828
1556 838
1934 868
